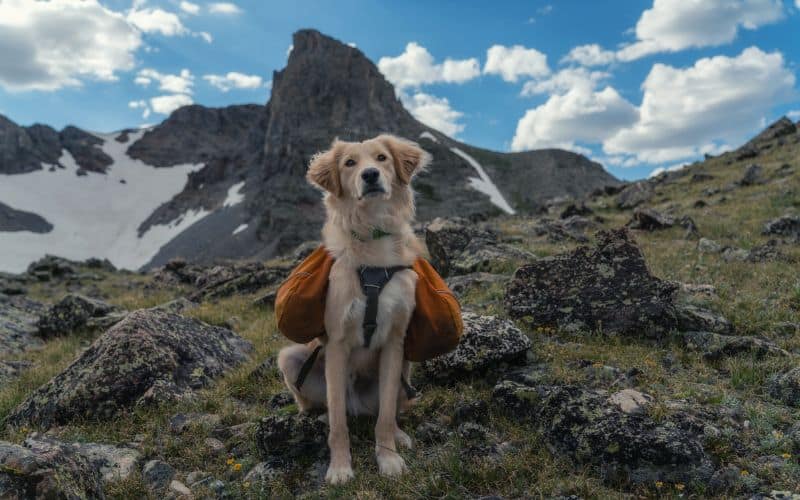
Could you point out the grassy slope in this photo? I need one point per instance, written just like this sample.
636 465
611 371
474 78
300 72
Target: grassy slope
753 296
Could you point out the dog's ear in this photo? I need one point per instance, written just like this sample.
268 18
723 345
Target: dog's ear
409 158
323 171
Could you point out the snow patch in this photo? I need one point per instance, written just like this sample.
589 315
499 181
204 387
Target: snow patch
429 136
239 229
483 183
96 215
235 196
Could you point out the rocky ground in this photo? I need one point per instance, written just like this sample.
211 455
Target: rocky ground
640 342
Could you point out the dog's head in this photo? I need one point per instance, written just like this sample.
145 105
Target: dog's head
373 170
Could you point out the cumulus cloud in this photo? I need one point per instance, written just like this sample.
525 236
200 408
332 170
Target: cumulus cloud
564 80
234 80
166 104
589 55
416 66
226 8
674 25
688 111
582 114
434 112
61 42
190 8
513 62
154 20
181 83
140 104
795 113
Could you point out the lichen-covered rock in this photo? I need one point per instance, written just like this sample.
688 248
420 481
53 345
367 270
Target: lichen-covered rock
51 267
460 284
571 228
607 287
768 252
694 318
648 219
788 226
11 369
458 247
716 346
635 194
575 209
590 428
18 317
147 351
47 470
74 312
488 343
785 387
288 441
114 463
752 175
157 474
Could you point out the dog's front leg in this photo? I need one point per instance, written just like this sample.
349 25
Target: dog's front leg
340 469
390 463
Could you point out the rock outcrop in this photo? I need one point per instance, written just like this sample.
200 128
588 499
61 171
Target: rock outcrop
75 312
149 357
18 317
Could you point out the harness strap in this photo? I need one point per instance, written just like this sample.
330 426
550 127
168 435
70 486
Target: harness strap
373 279
309 363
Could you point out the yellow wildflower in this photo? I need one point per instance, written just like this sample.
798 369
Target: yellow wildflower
744 473
230 461
787 456
237 467
659 484
680 486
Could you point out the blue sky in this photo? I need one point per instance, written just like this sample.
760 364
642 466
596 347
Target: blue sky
636 85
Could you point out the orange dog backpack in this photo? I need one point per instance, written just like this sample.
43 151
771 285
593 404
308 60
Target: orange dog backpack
435 327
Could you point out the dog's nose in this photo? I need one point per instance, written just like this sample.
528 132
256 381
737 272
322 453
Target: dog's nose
370 175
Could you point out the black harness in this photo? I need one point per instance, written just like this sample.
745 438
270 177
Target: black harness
373 279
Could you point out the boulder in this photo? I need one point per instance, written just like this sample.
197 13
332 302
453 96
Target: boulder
51 267
648 219
768 252
785 387
157 474
74 312
715 346
487 345
458 247
607 287
573 209
18 317
787 226
289 441
592 428
149 357
753 175
461 284
47 470
695 318
701 177
635 194
706 245
571 228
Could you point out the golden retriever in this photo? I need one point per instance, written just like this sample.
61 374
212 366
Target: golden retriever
370 208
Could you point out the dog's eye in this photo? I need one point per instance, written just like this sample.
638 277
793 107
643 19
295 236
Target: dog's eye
381 157
349 163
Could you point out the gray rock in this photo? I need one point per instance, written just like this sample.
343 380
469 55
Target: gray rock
590 429
177 306
47 470
753 175
631 401
488 344
12 369
261 473
787 226
18 317
148 357
648 219
179 489
563 230
694 318
51 267
74 312
459 285
785 387
575 209
716 346
635 194
706 245
289 441
214 445
180 422
157 474
607 287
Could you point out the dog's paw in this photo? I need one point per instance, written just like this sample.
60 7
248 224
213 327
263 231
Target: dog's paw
402 438
390 463
339 475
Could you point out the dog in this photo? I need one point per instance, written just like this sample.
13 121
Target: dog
361 370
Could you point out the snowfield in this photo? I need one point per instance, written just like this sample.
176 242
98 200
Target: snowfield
96 215
483 183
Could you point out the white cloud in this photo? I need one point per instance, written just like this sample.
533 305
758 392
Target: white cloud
190 8
166 104
688 111
156 21
140 104
512 62
415 67
434 112
564 80
589 55
205 36
181 83
226 8
673 25
795 113
49 45
582 114
234 80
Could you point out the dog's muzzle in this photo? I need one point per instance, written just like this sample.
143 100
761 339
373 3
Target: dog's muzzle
372 183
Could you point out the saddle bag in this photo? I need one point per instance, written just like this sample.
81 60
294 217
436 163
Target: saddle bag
435 327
